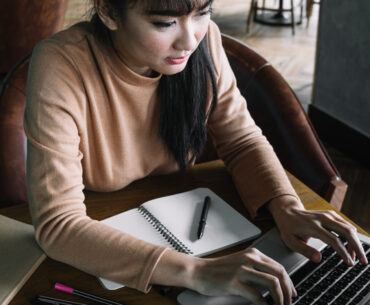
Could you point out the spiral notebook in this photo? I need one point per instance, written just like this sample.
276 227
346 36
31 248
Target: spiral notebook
172 221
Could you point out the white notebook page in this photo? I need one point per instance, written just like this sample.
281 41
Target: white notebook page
180 214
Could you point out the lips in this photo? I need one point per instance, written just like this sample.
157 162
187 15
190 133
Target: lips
177 60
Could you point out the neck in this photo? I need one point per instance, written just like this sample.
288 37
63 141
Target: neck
144 72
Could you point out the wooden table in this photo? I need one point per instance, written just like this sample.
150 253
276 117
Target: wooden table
101 205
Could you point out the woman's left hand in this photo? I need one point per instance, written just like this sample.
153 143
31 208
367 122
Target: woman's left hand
297 225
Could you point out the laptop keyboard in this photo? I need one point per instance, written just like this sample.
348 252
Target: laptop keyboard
332 281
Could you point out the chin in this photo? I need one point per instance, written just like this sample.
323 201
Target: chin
168 69
173 70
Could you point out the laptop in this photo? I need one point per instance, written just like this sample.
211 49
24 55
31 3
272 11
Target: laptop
331 282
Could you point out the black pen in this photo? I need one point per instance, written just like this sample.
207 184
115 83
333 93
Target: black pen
203 217
42 300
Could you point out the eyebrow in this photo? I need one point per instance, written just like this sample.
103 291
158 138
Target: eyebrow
175 13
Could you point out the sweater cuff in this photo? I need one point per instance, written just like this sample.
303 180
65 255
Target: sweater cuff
263 213
259 211
146 275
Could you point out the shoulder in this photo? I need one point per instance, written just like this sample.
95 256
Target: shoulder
214 34
55 71
214 42
63 46
66 57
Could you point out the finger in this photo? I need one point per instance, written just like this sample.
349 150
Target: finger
337 245
268 281
251 294
349 232
268 265
351 251
300 246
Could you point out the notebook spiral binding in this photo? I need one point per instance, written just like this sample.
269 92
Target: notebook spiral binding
168 235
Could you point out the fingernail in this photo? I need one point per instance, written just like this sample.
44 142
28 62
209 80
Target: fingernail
364 260
350 261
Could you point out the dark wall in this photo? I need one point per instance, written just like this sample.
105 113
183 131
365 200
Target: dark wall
342 75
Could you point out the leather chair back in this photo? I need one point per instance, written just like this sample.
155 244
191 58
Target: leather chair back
23 23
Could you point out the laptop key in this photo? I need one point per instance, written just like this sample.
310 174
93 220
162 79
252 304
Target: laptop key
315 292
343 299
365 246
304 302
326 252
351 291
327 297
303 272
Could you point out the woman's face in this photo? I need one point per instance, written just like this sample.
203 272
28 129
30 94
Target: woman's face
160 41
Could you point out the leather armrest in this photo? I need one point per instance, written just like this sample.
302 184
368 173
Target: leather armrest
12 136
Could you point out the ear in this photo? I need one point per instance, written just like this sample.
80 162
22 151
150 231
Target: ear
105 14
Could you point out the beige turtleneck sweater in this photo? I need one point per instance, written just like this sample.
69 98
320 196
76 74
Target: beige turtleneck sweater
89 120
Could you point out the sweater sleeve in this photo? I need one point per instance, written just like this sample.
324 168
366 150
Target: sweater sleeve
251 160
53 124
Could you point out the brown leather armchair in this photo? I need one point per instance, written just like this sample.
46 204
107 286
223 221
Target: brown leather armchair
271 102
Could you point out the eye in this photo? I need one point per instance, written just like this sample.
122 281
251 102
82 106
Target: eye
160 24
206 12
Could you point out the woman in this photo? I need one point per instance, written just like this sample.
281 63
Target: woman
133 93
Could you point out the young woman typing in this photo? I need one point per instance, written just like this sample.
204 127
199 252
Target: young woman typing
153 74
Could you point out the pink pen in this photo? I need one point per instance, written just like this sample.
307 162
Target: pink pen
85 295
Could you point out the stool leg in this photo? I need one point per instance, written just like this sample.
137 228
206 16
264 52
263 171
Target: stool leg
292 12
250 14
301 11
309 5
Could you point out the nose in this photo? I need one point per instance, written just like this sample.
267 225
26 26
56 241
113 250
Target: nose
187 38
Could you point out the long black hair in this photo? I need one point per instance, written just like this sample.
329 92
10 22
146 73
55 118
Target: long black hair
184 96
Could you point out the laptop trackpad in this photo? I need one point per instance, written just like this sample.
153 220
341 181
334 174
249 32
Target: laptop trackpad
271 245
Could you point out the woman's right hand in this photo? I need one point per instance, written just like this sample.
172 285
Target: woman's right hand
237 273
